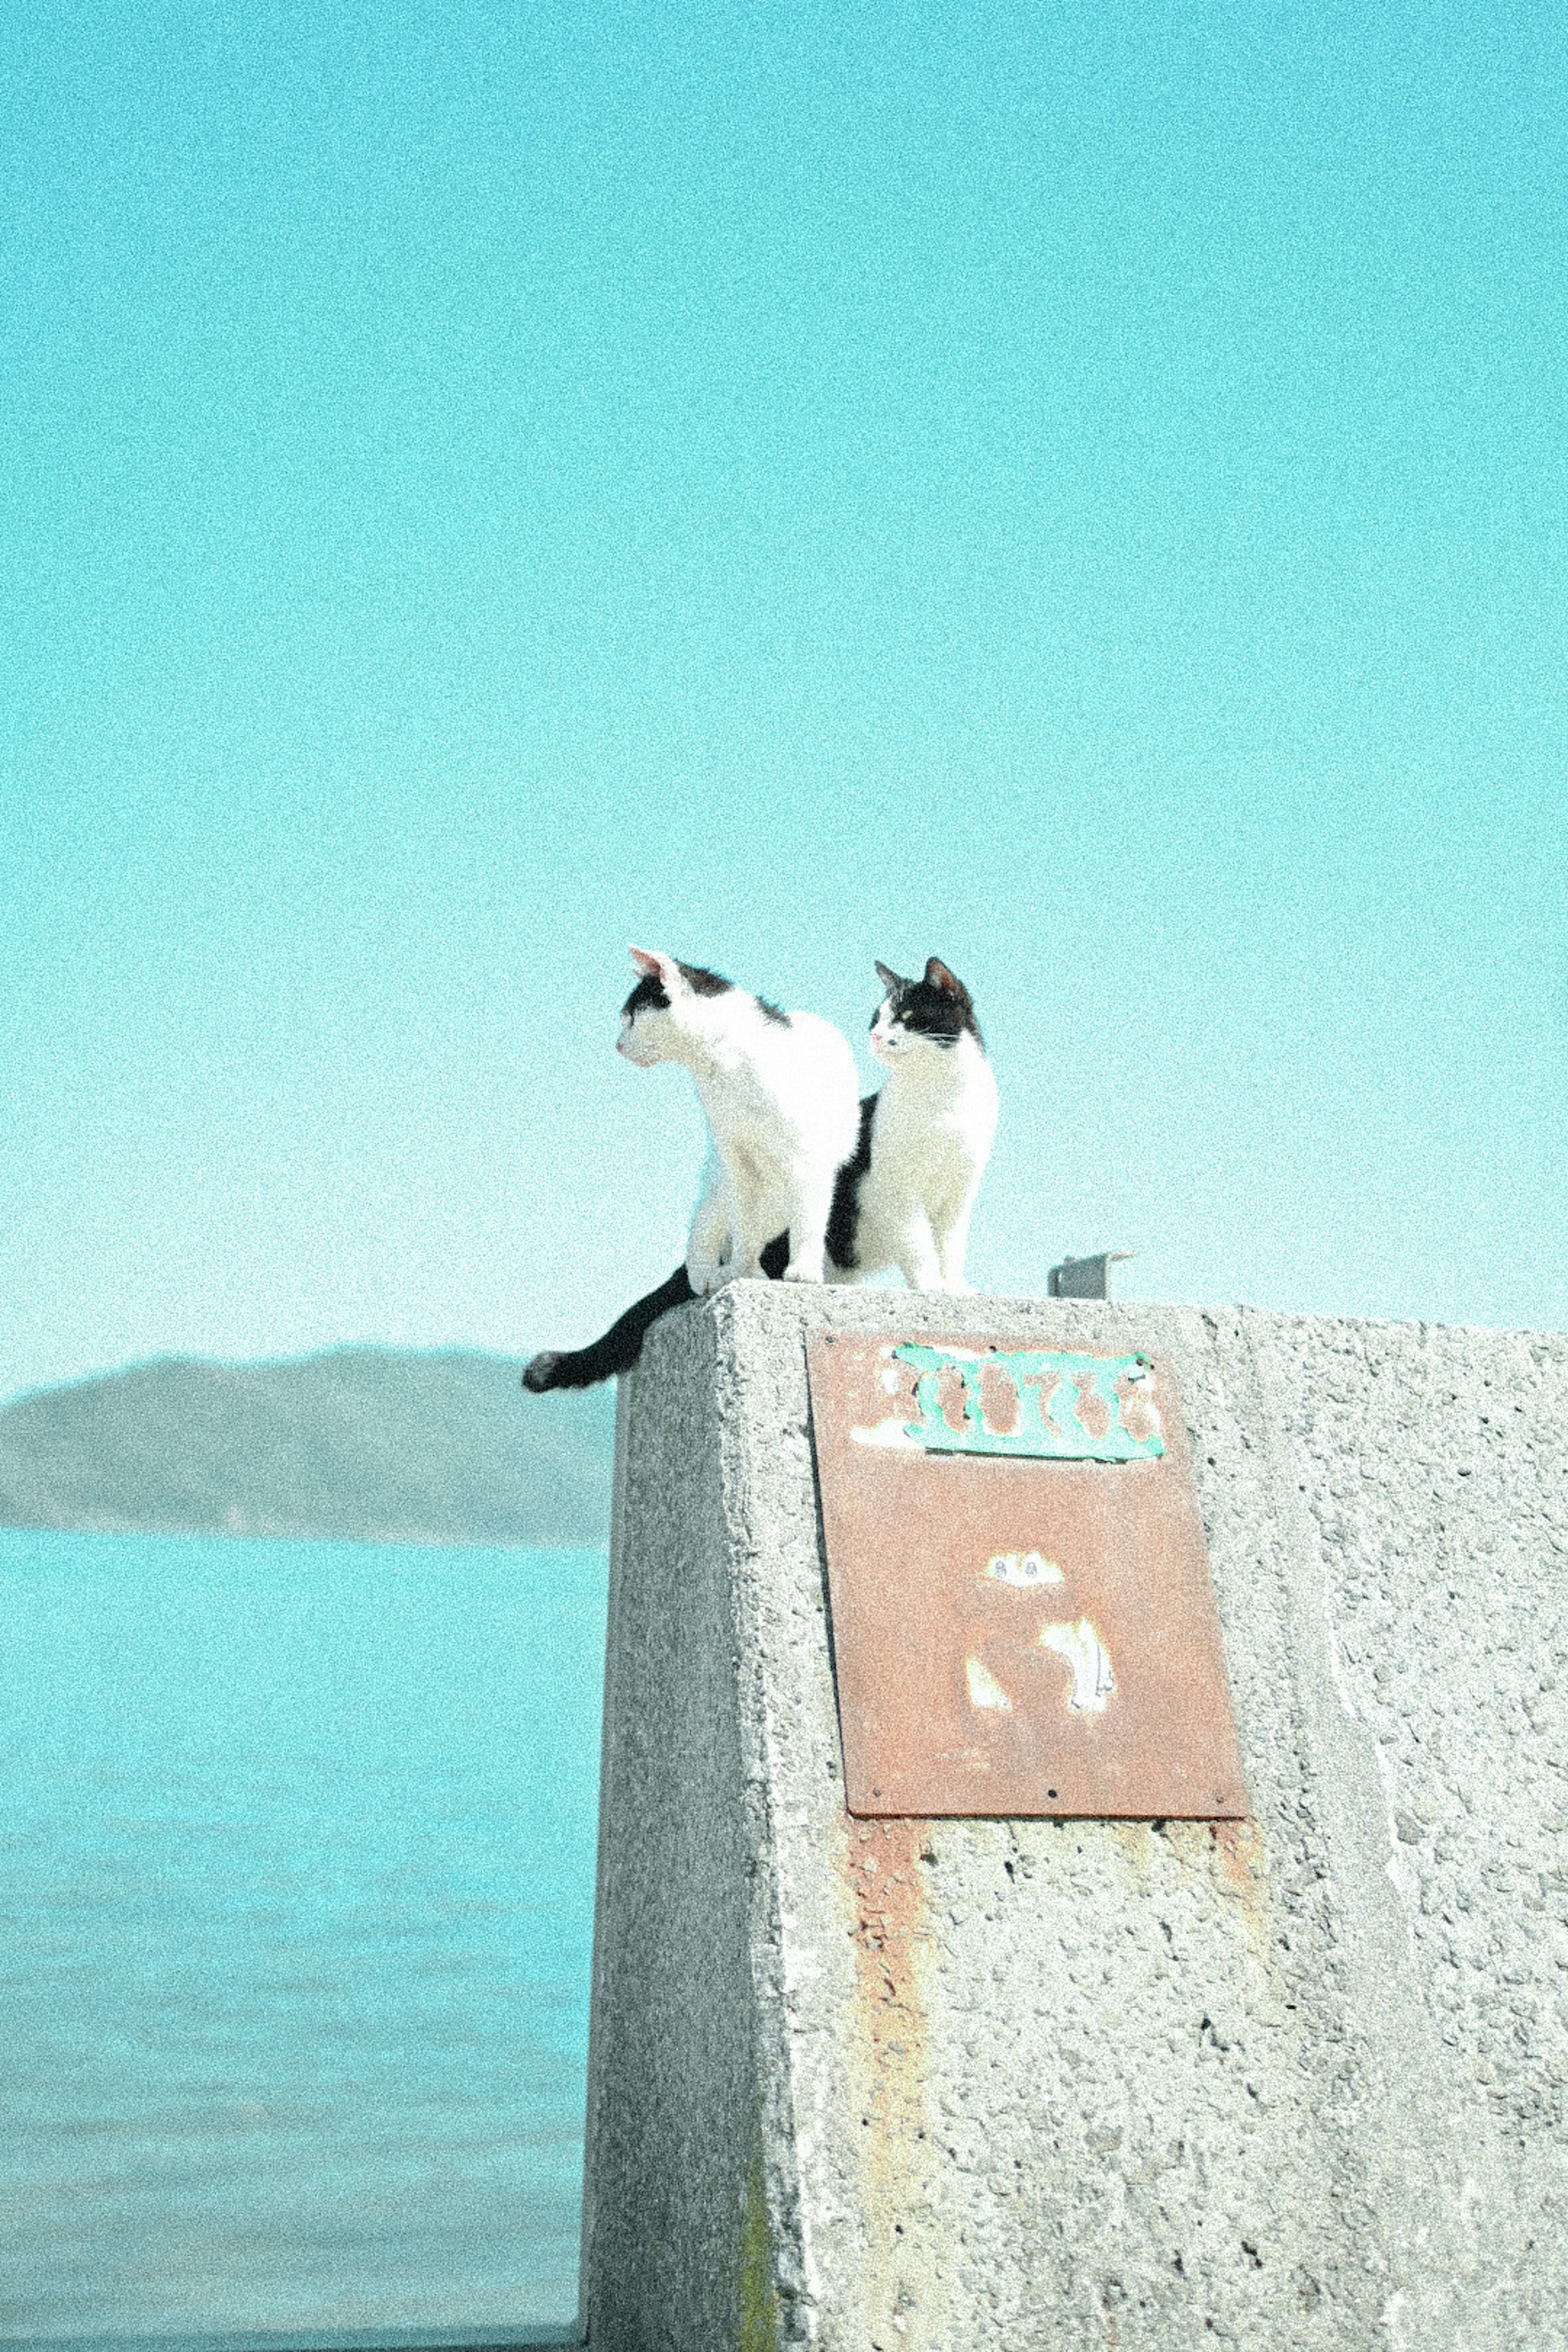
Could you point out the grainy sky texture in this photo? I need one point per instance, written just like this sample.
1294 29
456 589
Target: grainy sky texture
1077 489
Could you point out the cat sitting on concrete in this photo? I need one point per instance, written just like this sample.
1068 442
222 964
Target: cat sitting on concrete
905 1198
779 1089
779 1092
902 1196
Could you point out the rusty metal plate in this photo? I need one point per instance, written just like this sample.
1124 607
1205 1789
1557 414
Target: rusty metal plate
1023 1616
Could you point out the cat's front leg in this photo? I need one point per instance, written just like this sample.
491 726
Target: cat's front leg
952 1247
917 1258
749 1236
707 1241
808 1233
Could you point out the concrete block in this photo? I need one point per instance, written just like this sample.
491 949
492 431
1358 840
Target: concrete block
930 2087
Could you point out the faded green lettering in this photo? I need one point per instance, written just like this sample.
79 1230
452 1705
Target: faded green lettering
1049 1425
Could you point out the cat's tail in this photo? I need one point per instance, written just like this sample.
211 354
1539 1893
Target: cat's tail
621 1345
617 1351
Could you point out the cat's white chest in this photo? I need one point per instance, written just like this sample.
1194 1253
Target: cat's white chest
936 1126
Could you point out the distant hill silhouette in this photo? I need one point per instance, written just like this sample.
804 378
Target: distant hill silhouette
372 1444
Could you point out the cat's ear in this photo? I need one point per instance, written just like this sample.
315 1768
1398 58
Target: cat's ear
662 968
939 976
890 979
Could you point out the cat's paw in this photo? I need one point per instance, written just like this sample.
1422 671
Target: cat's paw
539 1374
704 1274
794 1272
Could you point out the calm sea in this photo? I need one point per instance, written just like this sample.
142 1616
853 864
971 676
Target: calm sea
296 1900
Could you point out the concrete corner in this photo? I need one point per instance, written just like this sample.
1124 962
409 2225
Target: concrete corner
930 2087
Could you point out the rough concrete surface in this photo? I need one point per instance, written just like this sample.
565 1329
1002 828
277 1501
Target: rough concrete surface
926 2087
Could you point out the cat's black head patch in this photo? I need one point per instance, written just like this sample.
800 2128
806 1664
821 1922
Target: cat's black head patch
704 983
650 996
938 1007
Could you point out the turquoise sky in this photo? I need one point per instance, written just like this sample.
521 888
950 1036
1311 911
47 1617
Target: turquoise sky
1078 490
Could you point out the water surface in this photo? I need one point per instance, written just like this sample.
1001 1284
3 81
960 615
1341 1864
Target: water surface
296 1876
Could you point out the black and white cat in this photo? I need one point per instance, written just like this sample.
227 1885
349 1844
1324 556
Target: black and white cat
906 1197
902 1196
779 1089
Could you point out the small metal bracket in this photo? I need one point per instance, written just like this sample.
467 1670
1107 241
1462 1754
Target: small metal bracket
1085 1277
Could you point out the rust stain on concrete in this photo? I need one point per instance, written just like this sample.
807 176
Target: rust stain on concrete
884 1868
881 1861
1241 1855
1239 1845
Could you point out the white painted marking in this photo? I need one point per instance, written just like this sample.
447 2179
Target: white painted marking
890 1433
984 1690
1023 1569
1086 1654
